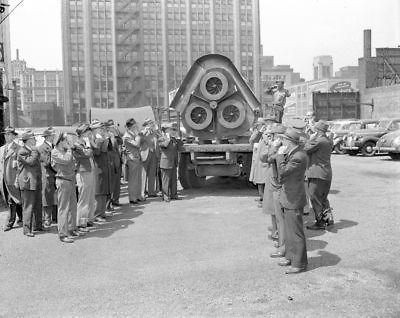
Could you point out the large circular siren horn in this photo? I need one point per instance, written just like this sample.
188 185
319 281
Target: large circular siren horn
214 85
231 113
198 116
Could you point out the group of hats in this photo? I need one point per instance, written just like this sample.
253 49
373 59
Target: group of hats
295 128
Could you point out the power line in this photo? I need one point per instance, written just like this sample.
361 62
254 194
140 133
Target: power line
2 20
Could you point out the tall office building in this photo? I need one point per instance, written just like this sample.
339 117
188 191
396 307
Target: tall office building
131 53
323 67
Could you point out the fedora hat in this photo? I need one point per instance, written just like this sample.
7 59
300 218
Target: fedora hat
48 132
10 130
96 124
82 129
148 122
297 123
130 122
292 135
27 135
321 125
109 123
278 129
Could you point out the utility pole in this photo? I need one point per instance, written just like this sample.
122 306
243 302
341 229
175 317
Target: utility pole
12 106
3 99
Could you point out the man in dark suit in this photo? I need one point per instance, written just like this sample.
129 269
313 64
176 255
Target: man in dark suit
30 183
48 178
8 174
291 164
114 159
169 147
319 175
101 166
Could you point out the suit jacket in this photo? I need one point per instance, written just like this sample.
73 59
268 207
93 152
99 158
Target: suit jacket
132 146
63 162
29 169
45 160
169 148
291 170
9 172
83 155
48 175
319 152
101 164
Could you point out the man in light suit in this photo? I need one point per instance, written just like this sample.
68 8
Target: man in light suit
319 175
150 154
291 164
8 174
48 178
30 183
169 147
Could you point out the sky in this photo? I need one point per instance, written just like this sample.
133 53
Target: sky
293 31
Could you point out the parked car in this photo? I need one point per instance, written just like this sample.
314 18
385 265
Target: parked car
390 144
339 135
364 140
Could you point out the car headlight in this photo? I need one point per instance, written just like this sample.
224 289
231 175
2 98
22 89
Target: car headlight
396 142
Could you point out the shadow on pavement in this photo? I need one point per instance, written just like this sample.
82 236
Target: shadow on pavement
324 259
222 186
340 225
121 219
334 191
313 245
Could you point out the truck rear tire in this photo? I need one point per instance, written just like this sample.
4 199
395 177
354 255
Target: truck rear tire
187 174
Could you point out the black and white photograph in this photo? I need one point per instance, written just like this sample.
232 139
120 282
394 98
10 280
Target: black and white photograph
200 158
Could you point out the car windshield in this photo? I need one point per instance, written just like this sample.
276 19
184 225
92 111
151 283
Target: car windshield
354 126
384 124
371 125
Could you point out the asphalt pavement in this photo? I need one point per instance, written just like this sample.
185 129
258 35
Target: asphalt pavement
208 256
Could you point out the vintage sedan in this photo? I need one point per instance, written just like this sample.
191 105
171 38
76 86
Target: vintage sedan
339 134
390 144
365 140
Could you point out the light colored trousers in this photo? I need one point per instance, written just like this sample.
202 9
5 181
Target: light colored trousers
66 201
86 199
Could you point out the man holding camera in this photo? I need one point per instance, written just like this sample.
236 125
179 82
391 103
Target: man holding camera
63 162
30 183
48 178
279 94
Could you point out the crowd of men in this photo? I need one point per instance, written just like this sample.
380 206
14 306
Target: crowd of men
74 180
291 168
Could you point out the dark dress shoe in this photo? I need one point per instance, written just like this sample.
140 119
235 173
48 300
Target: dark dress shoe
285 262
329 222
133 202
273 237
295 270
277 255
176 198
116 204
90 224
7 228
66 240
30 234
316 226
